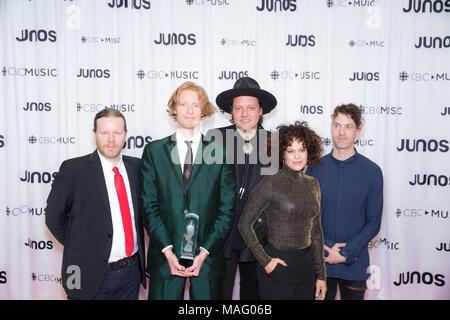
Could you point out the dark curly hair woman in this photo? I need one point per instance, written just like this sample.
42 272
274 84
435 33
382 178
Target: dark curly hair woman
291 264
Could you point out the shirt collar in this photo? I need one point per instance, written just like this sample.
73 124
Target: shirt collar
107 165
346 161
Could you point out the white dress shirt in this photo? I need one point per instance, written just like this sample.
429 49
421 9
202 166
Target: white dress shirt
118 237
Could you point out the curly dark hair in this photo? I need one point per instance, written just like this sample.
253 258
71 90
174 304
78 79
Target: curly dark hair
301 132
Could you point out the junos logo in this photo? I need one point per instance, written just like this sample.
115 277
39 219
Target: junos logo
426 6
430 180
38 177
133 4
137 142
176 38
417 145
277 5
2 141
37 35
311 109
232 75
94 73
433 42
420 278
37 106
445 111
300 40
3 278
443 247
365 76
39 245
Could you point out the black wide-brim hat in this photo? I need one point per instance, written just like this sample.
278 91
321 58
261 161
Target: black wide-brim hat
246 86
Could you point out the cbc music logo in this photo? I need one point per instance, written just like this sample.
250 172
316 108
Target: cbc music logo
419 6
133 4
423 76
238 42
51 140
291 75
423 145
445 111
424 179
37 35
38 177
366 43
94 73
327 142
365 76
96 107
24 210
176 39
390 245
416 277
277 5
346 3
433 42
300 40
45 278
167 75
420 212
208 2
39 245
364 143
381 110
232 75
97 40
29 72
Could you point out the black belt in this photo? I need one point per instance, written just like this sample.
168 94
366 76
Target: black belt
122 263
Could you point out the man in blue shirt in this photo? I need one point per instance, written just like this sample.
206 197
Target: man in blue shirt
352 204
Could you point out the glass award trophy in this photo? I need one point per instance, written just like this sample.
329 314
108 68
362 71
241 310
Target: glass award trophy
189 240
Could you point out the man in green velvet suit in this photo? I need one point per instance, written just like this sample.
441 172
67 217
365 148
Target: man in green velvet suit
185 173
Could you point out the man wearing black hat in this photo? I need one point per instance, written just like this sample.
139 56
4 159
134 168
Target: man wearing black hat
246 142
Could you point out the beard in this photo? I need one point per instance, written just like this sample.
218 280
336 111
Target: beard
109 153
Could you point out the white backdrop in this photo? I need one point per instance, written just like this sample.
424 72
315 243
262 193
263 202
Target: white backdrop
63 61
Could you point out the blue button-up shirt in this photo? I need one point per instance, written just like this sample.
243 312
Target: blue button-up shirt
351 204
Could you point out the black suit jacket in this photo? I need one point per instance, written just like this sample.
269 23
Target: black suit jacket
260 226
79 217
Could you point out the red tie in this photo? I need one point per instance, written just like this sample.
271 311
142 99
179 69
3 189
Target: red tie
125 211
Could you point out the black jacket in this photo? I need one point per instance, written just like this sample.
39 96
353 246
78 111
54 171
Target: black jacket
79 217
253 179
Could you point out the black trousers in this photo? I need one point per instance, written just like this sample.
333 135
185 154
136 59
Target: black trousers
248 284
348 289
297 281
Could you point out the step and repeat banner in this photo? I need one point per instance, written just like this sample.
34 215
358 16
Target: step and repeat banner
62 61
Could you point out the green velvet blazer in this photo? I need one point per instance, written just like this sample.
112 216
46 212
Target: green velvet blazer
210 193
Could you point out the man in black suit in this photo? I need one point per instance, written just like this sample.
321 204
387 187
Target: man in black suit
246 142
94 211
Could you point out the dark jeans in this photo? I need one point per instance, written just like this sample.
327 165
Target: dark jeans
349 289
247 272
